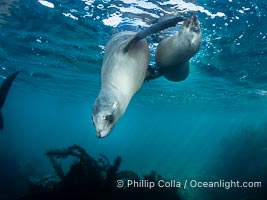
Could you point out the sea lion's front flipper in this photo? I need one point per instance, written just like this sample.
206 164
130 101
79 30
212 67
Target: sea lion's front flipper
4 88
153 29
152 73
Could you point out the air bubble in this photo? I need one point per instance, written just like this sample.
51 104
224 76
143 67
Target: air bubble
100 6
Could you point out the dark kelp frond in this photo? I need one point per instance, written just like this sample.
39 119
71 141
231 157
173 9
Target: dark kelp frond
89 178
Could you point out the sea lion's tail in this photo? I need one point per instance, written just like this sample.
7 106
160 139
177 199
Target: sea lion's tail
153 29
4 89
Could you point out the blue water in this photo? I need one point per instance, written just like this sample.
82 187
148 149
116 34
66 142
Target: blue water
176 129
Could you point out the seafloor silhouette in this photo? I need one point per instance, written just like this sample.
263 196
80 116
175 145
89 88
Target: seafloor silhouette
94 179
242 157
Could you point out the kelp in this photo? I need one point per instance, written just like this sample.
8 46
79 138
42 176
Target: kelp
89 178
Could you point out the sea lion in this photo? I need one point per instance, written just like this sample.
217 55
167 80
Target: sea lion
123 72
173 53
4 89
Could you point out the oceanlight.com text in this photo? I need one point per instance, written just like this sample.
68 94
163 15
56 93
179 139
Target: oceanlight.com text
224 184
188 184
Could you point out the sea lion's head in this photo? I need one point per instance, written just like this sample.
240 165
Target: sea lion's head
192 30
105 114
192 24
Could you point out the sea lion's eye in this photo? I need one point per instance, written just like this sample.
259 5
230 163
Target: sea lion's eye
109 118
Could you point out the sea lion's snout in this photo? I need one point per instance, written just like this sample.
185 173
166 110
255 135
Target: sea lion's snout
103 129
103 119
194 24
100 134
194 18
104 132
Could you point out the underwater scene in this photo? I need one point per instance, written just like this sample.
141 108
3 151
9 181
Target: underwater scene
133 99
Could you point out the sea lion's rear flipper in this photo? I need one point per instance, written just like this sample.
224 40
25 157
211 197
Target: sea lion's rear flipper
153 29
4 88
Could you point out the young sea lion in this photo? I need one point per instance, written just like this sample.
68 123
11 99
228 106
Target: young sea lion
173 53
